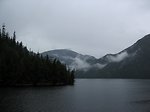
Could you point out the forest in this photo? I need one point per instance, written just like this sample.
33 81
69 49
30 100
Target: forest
21 67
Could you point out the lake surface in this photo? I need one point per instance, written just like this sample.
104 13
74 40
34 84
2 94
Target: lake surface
87 95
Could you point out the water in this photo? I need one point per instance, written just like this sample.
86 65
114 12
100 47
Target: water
87 95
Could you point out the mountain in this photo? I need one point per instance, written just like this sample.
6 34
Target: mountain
132 62
135 62
72 59
85 65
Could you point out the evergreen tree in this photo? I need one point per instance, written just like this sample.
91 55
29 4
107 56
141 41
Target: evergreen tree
25 67
0 33
3 30
14 37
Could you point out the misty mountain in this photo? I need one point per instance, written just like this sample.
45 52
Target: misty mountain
132 62
72 59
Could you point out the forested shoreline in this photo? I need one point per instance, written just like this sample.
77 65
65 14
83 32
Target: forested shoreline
19 66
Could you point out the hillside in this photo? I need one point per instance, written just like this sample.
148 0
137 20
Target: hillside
18 66
132 62
72 59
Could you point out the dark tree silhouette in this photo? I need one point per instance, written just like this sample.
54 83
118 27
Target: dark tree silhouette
18 66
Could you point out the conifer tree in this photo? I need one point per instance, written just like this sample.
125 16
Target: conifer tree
0 33
3 30
14 36
26 67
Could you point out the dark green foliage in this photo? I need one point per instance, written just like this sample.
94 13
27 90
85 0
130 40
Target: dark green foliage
18 66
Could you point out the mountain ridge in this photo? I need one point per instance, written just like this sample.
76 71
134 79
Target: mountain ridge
132 60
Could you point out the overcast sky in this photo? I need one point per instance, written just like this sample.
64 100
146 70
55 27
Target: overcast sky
94 27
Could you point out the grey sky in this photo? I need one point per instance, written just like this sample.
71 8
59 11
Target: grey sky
94 27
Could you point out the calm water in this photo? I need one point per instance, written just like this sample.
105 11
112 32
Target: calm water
87 95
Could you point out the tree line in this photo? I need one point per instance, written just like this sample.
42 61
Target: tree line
19 66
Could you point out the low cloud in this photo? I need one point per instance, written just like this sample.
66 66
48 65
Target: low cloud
118 57
80 64
99 66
